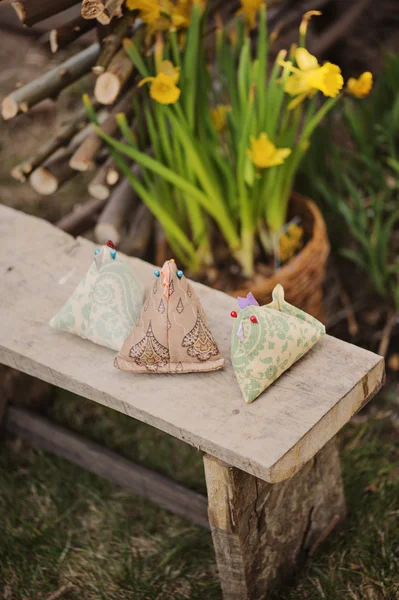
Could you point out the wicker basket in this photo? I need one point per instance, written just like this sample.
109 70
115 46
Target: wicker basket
302 277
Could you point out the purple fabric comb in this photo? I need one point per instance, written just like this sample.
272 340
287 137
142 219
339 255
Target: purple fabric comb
248 301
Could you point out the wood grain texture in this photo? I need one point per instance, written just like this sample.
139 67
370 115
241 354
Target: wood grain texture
109 465
272 438
261 532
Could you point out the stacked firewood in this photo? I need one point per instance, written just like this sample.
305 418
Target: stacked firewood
113 208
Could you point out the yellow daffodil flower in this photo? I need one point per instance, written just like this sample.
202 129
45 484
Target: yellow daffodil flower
160 15
181 14
250 8
310 77
290 242
150 10
264 154
361 87
219 116
163 87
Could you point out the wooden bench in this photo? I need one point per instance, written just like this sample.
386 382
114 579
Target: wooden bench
272 469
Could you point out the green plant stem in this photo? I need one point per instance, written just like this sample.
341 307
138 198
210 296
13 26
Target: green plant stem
219 212
164 218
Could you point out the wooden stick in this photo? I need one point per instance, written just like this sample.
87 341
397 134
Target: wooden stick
112 8
116 213
104 180
109 465
84 157
61 138
69 32
92 8
31 12
82 218
56 169
51 83
111 45
386 333
138 237
110 83
49 177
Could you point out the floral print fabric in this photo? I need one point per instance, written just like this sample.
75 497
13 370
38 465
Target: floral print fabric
261 351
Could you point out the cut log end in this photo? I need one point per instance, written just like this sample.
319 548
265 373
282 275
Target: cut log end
106 231
80 164
99 191
53 41
43 182
112 176
107 88
18 173
9 108
98 70
91 9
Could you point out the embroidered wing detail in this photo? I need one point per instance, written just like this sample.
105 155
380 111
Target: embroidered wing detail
149 352
199 341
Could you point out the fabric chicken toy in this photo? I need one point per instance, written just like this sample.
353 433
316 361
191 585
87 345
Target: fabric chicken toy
268 340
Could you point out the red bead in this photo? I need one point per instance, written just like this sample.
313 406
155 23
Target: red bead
253 319
233 314
111 244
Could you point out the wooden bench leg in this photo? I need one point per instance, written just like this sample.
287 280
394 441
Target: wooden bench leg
262 532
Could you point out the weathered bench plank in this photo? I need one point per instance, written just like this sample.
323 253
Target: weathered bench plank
271 438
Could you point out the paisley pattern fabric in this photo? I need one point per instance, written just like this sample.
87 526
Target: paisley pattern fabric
263 350
105 304
171 335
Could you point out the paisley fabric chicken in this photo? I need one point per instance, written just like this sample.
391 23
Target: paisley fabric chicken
171 334
268 340
106 302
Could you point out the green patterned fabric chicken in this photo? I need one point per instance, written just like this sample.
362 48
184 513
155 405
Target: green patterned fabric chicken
106 302
268 340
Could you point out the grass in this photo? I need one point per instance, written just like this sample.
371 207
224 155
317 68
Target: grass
61 525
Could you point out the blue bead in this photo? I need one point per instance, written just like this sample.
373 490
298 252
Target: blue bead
113 254
179 274
157 273
97 251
